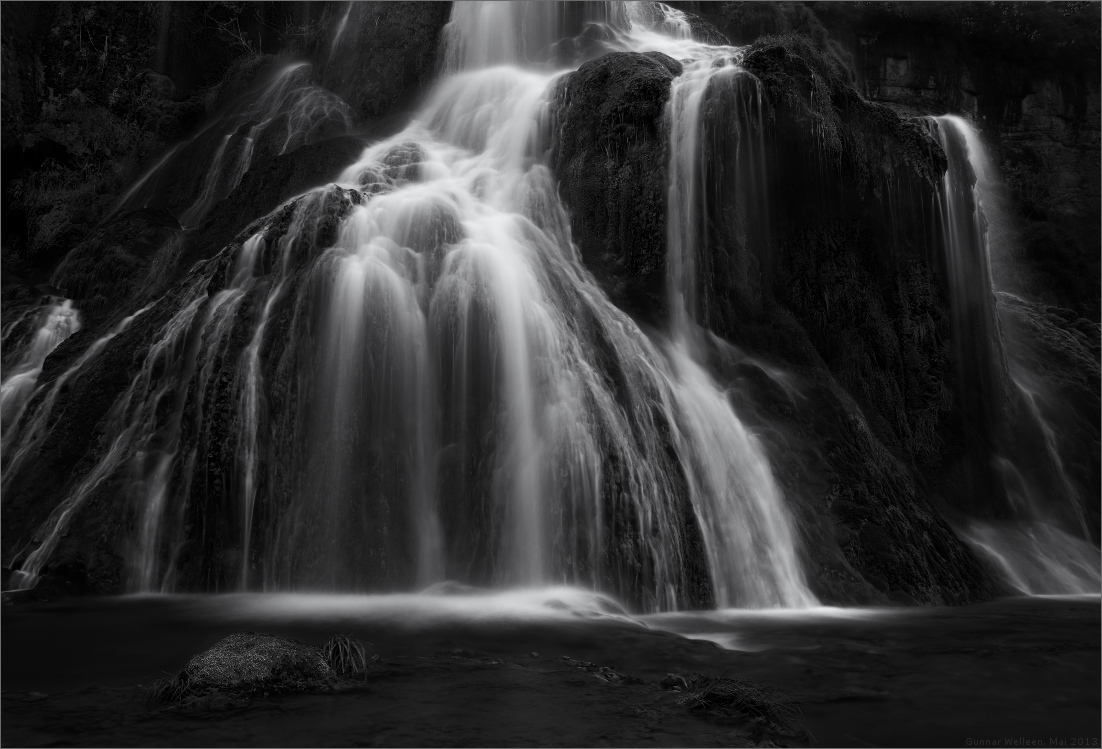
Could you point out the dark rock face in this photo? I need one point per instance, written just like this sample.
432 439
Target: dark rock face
856 262
609 154
851 258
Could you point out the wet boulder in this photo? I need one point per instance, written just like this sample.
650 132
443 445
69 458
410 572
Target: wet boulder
609 154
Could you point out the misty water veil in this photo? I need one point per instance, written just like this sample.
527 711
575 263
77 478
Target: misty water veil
427 383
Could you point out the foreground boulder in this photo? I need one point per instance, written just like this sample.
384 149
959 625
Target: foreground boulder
247 663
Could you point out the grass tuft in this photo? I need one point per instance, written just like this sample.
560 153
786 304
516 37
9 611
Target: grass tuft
346 655
169 688
744 699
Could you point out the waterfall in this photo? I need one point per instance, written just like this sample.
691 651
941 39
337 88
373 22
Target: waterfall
981 363
409 376
1036 549
545 34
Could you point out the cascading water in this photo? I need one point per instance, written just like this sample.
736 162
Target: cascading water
56 322
1035 549
409 376
746 526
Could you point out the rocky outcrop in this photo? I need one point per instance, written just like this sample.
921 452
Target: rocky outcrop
852 260
841 244
608 151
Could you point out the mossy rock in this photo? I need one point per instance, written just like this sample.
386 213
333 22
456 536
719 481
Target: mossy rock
247 663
